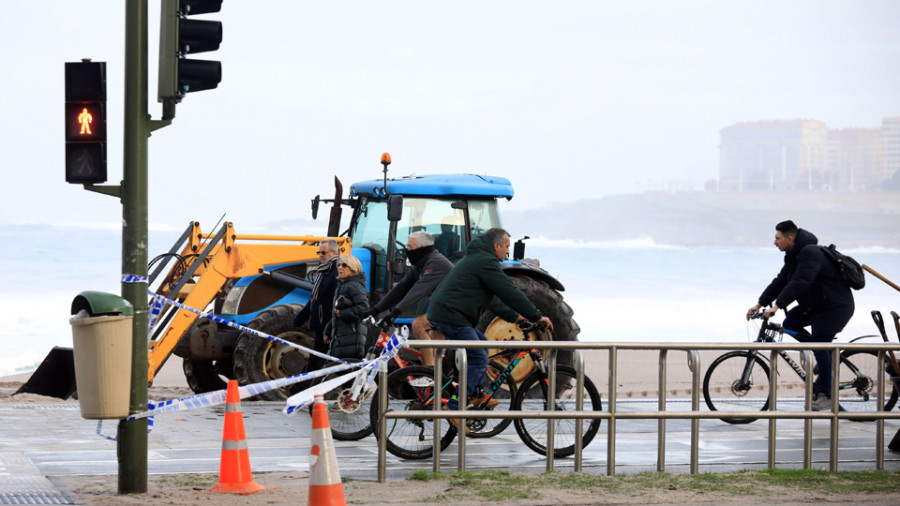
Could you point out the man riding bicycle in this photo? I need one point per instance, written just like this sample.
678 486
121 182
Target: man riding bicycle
824 302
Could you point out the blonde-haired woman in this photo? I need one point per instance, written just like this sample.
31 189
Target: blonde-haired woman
344 334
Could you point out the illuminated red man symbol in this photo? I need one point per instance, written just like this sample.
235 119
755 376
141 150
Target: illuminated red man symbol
85 119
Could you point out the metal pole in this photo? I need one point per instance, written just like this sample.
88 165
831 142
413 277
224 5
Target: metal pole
773 406
835 379
132 436
437 405
611 402
694 365
806 362
462 361
661 423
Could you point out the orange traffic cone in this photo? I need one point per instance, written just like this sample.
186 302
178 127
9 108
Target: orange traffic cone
324 478
234 466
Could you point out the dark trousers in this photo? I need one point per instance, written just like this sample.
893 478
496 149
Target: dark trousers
825 325
477 359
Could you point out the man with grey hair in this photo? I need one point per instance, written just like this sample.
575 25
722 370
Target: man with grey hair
319 308
428 268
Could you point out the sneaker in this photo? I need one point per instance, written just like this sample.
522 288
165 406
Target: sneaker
421 382
821 403
478 402
455 421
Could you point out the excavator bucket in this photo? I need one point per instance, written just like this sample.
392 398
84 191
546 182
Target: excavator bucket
55 377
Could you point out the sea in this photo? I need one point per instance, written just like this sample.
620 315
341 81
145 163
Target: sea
623 291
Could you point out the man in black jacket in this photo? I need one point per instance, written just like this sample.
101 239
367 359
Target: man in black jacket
319 309
477 283
428 268
824 302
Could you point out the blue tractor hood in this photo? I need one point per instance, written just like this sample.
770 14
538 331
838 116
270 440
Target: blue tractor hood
437 185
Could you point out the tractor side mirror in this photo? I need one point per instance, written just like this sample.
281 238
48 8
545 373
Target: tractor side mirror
395 207
519 249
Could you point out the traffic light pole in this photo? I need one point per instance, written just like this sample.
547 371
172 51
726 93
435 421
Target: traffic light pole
132 435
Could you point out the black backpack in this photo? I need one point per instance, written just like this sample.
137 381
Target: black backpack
851 272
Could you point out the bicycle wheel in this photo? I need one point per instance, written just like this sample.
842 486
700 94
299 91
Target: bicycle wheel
349 418
859 377
532 396
505 394
724 390
412 388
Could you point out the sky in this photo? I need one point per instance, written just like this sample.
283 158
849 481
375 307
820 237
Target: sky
569 100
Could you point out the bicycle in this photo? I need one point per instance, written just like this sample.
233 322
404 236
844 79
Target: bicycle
412 388
733 378
348 409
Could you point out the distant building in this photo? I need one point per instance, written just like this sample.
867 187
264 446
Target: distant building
790 155
890 147
853 159
779 155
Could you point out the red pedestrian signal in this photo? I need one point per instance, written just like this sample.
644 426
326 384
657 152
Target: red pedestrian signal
85 122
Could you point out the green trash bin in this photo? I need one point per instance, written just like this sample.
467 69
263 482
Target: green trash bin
101 342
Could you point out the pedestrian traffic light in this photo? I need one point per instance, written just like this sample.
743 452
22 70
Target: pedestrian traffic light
85 122
179 36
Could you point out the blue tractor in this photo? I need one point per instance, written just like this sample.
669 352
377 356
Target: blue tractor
453 207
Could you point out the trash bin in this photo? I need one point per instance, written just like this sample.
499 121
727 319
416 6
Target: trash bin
101 340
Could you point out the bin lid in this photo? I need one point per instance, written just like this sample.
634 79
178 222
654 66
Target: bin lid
101 304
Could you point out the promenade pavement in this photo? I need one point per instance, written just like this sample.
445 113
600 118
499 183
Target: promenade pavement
40 442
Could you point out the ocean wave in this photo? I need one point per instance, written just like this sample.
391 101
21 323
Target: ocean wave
643 242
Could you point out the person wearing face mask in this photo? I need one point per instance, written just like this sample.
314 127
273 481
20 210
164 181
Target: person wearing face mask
345 336
428 268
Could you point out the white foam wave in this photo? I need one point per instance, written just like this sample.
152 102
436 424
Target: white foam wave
643 242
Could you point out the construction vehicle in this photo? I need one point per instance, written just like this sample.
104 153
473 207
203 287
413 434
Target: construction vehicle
262 281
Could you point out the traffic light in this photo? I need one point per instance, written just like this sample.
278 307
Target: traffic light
179 36
85 122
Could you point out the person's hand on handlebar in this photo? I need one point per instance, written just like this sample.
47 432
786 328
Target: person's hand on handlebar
754 309
544 322
768 313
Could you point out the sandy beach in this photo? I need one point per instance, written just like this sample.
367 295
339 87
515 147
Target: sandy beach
637 375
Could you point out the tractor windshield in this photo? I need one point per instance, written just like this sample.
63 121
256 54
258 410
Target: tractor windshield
452 221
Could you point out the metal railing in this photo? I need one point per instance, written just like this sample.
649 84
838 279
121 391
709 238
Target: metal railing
612 416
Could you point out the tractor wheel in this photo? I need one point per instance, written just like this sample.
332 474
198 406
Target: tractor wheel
551 305
258 359
207 375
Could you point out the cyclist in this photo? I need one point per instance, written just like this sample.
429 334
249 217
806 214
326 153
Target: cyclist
824 302
477 283
429 267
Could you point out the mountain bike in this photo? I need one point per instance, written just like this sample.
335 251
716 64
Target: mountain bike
413 388
738 381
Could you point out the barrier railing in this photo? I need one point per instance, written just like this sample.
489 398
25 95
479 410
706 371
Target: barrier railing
612 416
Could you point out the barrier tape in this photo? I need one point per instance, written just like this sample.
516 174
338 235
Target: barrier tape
391 348
242 328
134 278
297 401
155 310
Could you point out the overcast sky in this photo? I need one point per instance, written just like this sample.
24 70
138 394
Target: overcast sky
570 100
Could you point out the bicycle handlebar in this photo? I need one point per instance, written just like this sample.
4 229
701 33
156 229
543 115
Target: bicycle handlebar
528 326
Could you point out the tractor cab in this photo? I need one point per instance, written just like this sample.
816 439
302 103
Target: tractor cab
453 208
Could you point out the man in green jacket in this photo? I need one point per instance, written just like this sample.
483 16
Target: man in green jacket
477 283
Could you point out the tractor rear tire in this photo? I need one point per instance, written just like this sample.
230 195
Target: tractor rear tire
551 304
257 359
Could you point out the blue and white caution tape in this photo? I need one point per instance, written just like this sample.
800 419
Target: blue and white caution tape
155 310
372 367
242 328
134 278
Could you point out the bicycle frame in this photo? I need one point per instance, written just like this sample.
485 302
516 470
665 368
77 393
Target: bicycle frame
767 332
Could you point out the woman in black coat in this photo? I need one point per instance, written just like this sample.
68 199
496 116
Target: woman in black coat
345 335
